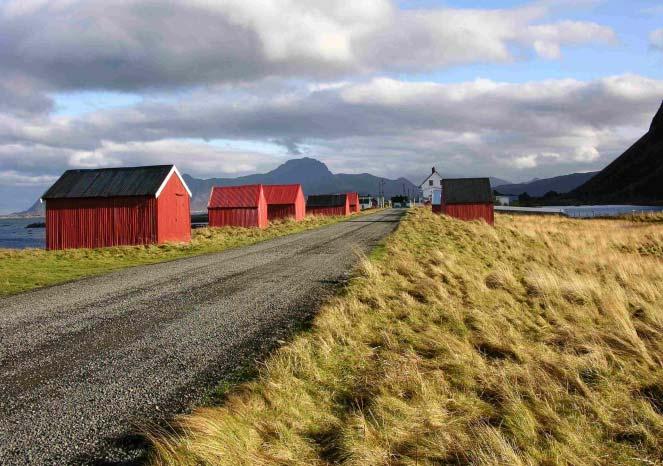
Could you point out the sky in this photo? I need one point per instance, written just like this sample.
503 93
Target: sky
504 88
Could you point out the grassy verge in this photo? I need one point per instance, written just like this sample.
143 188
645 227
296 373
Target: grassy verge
26 269
539 341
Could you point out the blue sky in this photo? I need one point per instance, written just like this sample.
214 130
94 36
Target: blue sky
223 88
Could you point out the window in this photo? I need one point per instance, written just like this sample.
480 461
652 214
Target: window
440 182
430 182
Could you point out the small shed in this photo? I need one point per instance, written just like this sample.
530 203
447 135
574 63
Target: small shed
285 201
328 204
237 206
105 207
353 200
468 199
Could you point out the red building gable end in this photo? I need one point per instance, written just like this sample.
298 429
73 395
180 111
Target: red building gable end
285 201
239 206
353 201
173 212
117 206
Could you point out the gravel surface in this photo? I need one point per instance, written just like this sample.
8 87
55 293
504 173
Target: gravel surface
85 364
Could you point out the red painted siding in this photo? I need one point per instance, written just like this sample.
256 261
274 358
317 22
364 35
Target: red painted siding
234 217
285 201
239 206
437 208
100 222
470 212
173 213
353 202
340 210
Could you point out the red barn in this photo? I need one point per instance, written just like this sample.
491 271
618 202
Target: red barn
328 204
353 201
468 199
285 200
237 206
117 206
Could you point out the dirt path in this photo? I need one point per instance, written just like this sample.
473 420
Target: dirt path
82 363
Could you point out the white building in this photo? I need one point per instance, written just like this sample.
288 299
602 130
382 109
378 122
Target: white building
430 185
503 200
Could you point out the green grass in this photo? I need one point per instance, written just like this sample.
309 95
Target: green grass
22 270
539 341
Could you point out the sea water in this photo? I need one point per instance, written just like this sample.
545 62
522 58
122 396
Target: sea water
14 234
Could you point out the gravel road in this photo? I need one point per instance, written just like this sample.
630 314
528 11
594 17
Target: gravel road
83 364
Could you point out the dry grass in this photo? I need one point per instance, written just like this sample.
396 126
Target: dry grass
26 269
539 341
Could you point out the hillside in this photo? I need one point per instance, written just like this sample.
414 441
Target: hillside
314 176
537 188
463 344
633 177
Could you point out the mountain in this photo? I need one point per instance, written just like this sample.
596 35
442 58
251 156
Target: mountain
36 210
636 176
495 181
314 176
540 186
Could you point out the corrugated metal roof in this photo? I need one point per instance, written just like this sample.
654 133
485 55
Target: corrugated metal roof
467 191
235 196
109 182
326 200
281 193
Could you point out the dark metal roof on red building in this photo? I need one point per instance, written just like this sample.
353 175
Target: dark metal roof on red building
466 191
109 182
235 196
326 200
282 193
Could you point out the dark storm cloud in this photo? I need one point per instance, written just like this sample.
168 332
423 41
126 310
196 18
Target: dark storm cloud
148 44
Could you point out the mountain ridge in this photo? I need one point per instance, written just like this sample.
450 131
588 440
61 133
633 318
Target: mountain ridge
540 186
315 177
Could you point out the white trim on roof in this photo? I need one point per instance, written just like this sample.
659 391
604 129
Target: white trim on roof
165 182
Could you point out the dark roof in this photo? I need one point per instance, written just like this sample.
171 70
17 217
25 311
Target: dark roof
326 200
467 191
109 182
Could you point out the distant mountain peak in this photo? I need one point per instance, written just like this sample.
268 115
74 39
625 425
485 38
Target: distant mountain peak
305 166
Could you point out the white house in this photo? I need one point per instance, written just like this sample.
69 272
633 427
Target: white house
430 185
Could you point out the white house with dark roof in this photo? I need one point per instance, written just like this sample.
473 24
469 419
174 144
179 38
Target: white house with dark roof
430 185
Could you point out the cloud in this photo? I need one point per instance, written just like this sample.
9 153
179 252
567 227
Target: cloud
142 44
382 125
656 39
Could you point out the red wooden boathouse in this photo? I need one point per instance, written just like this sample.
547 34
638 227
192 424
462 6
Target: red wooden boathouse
117 206
468 199
328 204
237 206
285 201
353 201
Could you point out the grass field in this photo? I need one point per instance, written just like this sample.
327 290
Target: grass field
26 269
539 341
